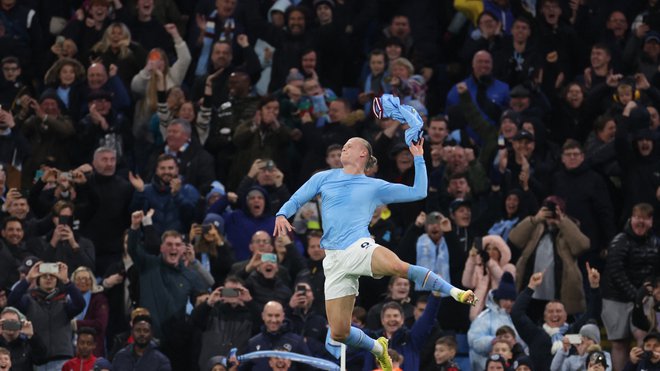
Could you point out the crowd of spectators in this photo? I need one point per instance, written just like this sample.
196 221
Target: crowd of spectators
146 145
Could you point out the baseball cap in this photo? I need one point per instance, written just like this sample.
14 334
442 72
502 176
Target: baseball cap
652 36
457 203
519 91
652 335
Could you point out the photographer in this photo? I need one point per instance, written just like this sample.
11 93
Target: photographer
646 357
14 148
48 131
487 261
641 52
225 320
51 305
262 137
211 247
55 185
551 242
647 305
63 243
17 335
568 360
304 320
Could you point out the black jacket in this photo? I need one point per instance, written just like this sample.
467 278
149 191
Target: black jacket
631 260
264 290
223 327
105 220
24 352
588 201
196 166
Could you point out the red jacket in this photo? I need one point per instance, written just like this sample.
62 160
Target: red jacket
77 364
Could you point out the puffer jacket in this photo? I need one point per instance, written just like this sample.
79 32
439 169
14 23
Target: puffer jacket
482 332
631 259
473 274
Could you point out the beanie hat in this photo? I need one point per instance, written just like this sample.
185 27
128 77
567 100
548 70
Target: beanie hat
102 364
511 115
496 358
21 316
523 361
294 75
216 220
506 289
216 188
596 357
51 94
590 331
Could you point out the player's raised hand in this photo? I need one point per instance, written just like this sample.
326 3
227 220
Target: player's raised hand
417 149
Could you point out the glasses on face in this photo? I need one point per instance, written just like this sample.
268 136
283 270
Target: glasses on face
10 69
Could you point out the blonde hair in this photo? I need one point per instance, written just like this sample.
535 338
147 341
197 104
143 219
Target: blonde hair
82 269
104 45
404 63
372 161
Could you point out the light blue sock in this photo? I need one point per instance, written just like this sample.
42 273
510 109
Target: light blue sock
356 338
427 280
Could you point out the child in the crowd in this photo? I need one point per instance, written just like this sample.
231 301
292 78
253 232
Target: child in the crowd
502 348
397 360
445 351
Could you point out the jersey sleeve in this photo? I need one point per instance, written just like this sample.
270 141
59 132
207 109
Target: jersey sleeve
305 193
392 193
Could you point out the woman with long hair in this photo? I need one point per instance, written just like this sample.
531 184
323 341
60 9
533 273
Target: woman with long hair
157 70
117 47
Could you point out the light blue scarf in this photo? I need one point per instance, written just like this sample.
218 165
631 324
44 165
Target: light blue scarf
88 297
433 256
